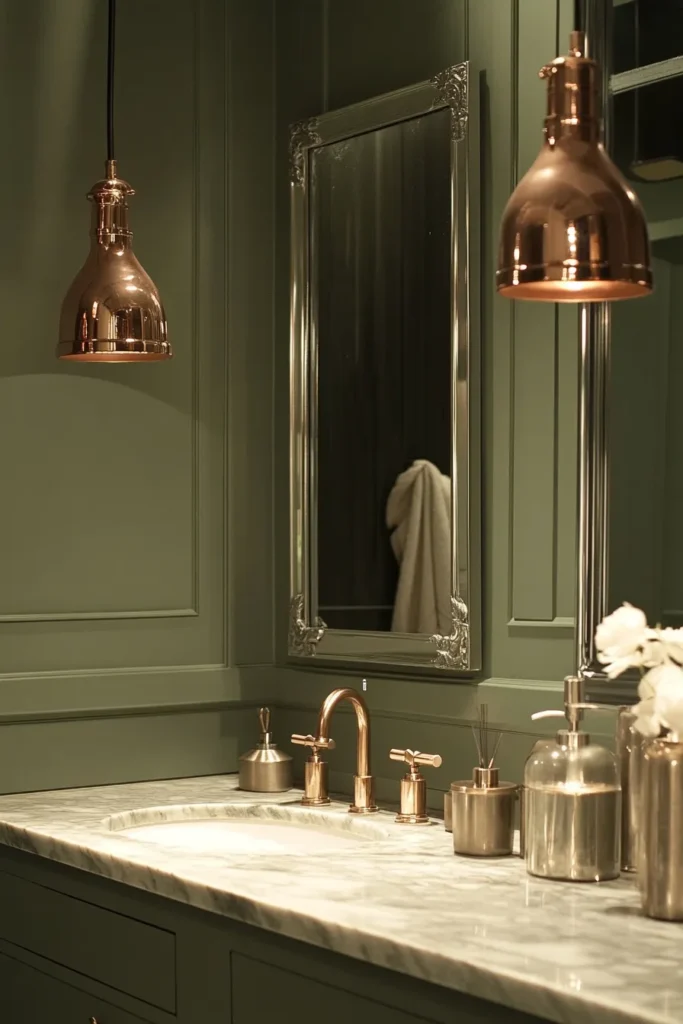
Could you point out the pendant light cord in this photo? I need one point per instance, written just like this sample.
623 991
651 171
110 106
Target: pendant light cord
111 48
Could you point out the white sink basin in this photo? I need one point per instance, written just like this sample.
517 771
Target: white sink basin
247 828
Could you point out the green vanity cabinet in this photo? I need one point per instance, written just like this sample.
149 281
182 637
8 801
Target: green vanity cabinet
75 947
32 996
290 997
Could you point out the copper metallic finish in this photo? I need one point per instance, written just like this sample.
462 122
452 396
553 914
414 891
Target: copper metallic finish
414 786
315 784
573 231
112 311
315 770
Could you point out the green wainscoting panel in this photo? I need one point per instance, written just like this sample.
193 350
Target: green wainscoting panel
112 548
61 753
145 572
137 514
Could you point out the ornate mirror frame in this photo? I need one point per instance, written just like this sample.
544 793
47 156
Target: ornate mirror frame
310 641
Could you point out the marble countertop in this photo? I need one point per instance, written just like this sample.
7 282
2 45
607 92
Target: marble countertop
569 953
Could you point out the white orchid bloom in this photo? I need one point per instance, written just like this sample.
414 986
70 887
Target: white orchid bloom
668 697
620 639
662 644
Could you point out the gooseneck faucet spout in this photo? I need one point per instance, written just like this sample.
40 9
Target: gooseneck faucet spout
315 792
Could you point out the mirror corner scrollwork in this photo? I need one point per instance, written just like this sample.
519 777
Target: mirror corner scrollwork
451 86
302 135
453 650
303 639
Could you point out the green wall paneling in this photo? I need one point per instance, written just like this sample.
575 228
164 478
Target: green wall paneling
529 357
156 640
137 558
113 538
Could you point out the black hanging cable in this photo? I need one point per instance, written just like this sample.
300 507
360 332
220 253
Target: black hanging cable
111 48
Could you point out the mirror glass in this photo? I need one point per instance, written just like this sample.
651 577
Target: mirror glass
381 272
646 374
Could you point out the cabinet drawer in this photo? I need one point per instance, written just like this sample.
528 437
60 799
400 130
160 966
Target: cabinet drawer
261 992
118 951
28 996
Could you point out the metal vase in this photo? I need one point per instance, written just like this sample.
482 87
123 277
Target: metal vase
629 750
660 852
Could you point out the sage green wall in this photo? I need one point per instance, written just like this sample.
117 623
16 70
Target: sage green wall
145 589
343 51
136 554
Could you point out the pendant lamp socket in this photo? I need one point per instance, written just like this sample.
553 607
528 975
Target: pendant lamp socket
573 230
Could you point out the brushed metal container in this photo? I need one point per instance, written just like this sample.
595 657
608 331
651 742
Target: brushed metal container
265 769
629 751
483 815
573 836
538 745
660 867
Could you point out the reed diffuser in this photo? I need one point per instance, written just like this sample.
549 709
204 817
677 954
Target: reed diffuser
482 808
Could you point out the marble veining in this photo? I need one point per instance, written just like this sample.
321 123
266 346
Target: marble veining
574 954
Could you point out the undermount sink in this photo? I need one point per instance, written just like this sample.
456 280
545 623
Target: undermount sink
246 828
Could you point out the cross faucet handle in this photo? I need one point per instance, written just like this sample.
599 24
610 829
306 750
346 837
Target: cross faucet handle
415 757
317 742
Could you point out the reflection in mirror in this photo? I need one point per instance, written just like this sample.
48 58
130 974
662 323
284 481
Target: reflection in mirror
384 554
646 379
381 272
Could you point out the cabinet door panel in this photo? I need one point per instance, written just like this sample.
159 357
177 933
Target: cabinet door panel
28 996
260 991
119 951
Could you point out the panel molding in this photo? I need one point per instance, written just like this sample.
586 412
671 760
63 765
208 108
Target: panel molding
187 624
110 692
155 613
558 626
160 613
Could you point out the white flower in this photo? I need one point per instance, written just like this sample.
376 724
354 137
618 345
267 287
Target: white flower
646 721
620 639
662 644
668 697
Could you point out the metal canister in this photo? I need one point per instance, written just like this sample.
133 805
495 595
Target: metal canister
629 751
483 815
538 745
448 811
661 849
265 769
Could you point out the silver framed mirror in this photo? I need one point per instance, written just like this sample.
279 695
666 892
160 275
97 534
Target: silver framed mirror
385 558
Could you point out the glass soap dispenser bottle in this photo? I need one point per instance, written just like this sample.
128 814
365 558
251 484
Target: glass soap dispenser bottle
573 801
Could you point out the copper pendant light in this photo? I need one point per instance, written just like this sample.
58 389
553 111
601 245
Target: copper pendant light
112 312
573 230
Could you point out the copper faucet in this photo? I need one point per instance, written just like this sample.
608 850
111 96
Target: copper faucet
315 786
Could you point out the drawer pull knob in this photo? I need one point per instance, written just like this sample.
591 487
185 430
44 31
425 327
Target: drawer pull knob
92 1020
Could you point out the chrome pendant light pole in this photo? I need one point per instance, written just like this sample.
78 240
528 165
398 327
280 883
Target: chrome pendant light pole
112 312
573 231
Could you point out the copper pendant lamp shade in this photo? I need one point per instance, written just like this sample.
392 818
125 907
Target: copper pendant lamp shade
112 312
573 230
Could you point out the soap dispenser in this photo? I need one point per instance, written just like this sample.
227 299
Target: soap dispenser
572 801
265 769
